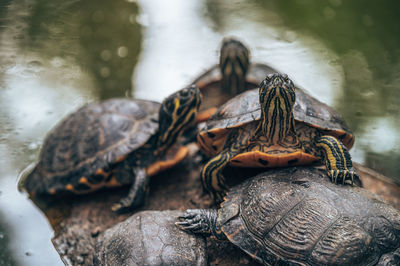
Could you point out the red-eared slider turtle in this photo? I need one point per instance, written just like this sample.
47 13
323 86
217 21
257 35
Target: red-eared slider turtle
150 238
113 143
295 216
234 74
274 127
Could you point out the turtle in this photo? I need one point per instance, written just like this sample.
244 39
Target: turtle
149 238
233 75
274 126
113 143
295 216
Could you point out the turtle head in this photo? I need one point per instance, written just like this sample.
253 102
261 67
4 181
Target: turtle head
234 63
177 112
277 98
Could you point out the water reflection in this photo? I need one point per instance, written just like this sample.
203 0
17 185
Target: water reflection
6 256
178 45
58 55
54 57
103 38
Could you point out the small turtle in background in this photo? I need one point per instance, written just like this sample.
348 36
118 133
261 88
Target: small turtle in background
295 216
233 75
274 126
150 238
113 143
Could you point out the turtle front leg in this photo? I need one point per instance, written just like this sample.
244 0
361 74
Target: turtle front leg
337 159
201 221
136 194
212 178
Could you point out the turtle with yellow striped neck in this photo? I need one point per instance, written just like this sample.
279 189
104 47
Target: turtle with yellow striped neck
114 143
234 74
274 126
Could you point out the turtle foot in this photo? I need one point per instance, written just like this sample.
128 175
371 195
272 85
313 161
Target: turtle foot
121 207
196 221
341 176
126 204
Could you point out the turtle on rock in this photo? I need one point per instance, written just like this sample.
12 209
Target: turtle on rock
149 238
274 126
233 75
295 216
113 143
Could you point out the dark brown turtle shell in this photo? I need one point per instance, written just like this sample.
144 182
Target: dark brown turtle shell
213 76
245 108
92 138
149 238
295 216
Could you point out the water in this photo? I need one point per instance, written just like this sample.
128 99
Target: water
57 55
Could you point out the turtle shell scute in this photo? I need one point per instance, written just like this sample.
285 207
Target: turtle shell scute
96 136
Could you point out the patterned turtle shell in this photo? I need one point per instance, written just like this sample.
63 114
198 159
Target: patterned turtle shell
289 218
89 141
245 108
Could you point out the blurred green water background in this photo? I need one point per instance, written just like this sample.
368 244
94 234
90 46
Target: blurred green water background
57 55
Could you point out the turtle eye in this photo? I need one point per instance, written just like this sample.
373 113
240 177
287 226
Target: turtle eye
185 93
268 77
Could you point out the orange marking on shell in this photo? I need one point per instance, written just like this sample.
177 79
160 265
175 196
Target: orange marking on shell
52 191
252 159
83 180
205 115
69 187
254 255
159 166
100 171
231 236
120 158
113 182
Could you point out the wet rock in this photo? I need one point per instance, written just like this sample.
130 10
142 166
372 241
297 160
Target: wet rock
150 238
79 221
379 184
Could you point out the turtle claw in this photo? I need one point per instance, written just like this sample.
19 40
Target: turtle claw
194 221
125 205
120 207
342 175
189 218
190 213
116 207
